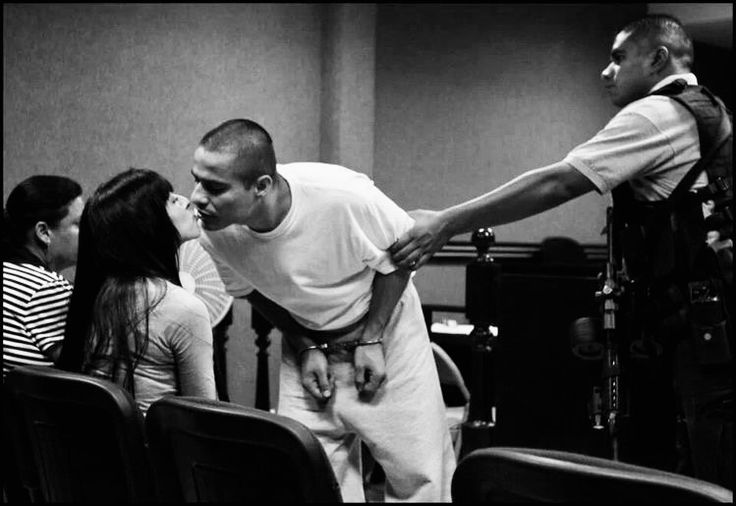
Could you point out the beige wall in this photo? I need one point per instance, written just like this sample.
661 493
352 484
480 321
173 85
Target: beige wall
90 90
692 13
348 85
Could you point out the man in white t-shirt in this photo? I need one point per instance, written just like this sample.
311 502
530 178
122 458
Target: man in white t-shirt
306 243
641 156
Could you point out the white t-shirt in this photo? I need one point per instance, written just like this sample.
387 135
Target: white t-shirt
652 142
319 262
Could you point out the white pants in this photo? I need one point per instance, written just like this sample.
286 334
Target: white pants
403 424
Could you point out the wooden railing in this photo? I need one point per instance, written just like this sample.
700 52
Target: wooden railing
262 328
460 252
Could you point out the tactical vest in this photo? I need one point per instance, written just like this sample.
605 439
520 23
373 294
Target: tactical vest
662 244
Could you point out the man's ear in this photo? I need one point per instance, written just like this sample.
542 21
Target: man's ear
42 233
660 58
263 185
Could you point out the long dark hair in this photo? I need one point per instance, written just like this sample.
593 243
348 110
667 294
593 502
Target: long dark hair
37 198
126 238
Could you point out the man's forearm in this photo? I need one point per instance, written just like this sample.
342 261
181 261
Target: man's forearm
281 319
387 290
531 193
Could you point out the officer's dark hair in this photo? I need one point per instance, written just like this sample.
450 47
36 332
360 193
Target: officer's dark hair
664 30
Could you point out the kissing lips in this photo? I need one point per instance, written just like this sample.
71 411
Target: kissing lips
202 217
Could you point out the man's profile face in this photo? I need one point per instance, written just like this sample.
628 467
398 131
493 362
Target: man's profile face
219 195
628 76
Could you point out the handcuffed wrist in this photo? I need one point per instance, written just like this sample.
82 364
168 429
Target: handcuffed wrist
348 345
321 347
368 343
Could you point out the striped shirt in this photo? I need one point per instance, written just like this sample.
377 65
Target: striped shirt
35 304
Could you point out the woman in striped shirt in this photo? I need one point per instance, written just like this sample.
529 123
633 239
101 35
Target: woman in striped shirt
40 238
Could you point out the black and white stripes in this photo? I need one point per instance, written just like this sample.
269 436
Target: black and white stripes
35 304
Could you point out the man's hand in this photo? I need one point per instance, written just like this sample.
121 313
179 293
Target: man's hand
370 368
425 238
316 377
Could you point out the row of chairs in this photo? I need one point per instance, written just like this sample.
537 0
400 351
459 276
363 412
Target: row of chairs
76 438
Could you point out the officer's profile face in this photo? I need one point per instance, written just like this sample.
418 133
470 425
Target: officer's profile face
627 77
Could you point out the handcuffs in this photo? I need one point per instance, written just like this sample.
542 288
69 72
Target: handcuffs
328 348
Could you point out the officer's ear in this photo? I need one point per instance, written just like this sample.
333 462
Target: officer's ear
660 58
263 185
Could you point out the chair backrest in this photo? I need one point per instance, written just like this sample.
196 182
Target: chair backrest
527 474
449 373
86 436
206 450
20 479
454 392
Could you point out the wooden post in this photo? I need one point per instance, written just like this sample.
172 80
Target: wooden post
481 308
219 340
262 328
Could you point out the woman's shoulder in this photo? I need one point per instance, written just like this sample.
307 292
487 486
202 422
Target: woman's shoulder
178 302
182 297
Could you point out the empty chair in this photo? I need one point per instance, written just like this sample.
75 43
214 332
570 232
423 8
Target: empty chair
525 474
85 434
455 393
213 451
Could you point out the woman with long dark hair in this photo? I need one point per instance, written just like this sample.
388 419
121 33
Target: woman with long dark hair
40 237
130 320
